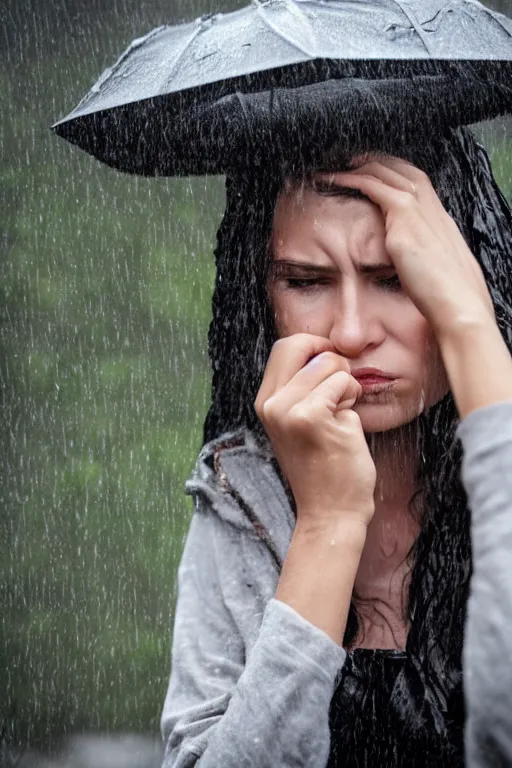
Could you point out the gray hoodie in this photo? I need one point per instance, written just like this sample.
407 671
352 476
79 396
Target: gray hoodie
252 680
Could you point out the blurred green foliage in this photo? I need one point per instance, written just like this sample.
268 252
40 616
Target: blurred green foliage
105 299
105 302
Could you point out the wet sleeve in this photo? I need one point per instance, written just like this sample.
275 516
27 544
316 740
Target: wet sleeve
486 436
225 711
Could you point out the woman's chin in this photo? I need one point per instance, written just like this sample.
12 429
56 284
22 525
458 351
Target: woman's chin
382 417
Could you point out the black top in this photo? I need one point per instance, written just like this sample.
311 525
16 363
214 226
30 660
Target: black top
371 724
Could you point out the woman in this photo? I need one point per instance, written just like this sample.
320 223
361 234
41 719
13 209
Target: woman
324 580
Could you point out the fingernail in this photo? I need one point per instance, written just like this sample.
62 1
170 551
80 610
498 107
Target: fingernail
314 361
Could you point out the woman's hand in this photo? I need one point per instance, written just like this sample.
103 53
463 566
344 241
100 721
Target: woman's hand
433 262
306 409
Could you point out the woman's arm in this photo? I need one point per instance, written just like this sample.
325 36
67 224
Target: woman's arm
441 276
222 709
480 371
319 572
477 361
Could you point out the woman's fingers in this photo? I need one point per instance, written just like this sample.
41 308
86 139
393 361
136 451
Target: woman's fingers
313 378
317 370
287 357
379 192
401 167
382 172
338 391
337 394
436 268
400 174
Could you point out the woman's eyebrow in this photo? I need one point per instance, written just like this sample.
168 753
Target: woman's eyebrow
370 269
282 265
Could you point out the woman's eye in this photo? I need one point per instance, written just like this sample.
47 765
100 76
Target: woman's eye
390 283
303 283
310 283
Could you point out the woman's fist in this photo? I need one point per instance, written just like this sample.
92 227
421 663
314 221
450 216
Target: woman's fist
305 404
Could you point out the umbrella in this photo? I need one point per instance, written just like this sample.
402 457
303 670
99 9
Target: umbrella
192 98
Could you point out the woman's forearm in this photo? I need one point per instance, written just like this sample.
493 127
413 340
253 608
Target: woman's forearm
478 364
319 571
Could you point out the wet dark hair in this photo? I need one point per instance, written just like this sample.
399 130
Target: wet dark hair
240 338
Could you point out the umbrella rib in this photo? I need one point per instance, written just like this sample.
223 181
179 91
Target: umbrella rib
416 25
111 71
184 49
279 32
499 18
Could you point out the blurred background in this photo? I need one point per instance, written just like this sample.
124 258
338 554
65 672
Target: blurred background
105 295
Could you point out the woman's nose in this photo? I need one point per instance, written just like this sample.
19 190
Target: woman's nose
356 326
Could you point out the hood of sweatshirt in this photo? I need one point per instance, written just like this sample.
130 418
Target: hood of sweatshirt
237 475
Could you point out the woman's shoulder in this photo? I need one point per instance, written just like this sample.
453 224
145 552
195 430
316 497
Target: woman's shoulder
237 477
241 442
238 450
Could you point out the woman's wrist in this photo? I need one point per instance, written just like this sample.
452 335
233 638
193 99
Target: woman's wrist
319 571
350 527
477 362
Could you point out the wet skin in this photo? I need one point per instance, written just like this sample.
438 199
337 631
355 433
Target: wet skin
332 277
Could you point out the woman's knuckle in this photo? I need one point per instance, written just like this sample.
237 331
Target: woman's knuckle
300 418
343 377
269 410
414 172
397 241
327 360
351 418
279 343
421 177
337 362
406 201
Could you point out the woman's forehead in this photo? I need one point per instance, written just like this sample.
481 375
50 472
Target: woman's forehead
320 197
342 228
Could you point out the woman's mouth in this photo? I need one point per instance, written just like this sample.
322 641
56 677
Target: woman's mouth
374 384
372 379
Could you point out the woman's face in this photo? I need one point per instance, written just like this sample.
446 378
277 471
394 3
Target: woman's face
331 277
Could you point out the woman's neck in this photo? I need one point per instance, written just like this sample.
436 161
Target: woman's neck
394 528
381 587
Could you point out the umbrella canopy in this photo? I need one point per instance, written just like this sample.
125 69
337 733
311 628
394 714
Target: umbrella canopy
189 98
